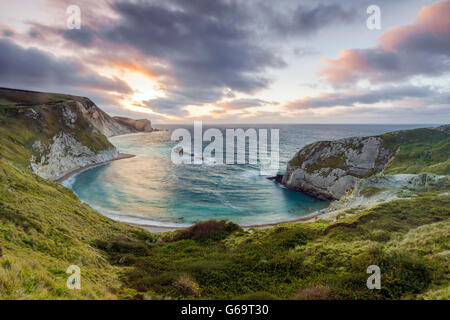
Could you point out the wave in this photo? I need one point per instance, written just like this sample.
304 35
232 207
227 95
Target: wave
139 220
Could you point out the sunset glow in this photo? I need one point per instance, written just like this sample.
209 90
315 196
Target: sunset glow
198 67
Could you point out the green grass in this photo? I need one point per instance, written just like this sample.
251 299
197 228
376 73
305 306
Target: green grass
419 150
13 98
44 228
402 237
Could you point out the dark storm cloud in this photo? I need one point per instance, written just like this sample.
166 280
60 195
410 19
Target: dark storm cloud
211 47
208 43
306 20
386 94
32 67
422 54
215 45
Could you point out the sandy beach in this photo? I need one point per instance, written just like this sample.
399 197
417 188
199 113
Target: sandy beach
160 229
71 173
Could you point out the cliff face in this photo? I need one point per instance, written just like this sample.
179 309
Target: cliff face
63 154
100 120
329 169
54 134
140 125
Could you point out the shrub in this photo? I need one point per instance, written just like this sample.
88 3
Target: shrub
260 295
211 229
123 245
316 292
187 286
403 274
380 236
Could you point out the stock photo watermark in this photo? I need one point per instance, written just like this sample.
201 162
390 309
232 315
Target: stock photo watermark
374 20
74 17
374 281
190 151
74 280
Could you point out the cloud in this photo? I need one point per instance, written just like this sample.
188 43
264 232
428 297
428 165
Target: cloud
33 68
421 48
84 36
386 94
307 20
238 104
208 44
305 51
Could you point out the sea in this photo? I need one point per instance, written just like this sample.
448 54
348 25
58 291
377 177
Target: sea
151 190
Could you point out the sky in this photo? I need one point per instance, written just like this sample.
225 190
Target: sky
236 61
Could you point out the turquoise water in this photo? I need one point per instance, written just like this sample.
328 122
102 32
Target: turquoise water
150 189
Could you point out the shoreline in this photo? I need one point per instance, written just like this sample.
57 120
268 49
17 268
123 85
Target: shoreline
157 228
161 229
121 156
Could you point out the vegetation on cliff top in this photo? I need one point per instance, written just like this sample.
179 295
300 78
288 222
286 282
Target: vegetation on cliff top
22 125
44 228
15 98
419 150
425 150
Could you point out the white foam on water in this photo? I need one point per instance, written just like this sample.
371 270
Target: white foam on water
139 220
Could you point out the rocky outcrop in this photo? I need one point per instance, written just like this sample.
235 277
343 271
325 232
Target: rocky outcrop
99 119
327 170
140 125
65 154
445 128
381 188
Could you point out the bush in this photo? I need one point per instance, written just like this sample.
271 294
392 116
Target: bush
316 292
291 238
211 229
187 286
403 274
122 245
260 295
380 236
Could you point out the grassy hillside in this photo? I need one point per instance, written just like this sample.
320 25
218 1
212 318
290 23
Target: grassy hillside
419 150
408 239
44 228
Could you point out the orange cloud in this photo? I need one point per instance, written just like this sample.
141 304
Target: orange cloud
344 67
432 19
402 52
